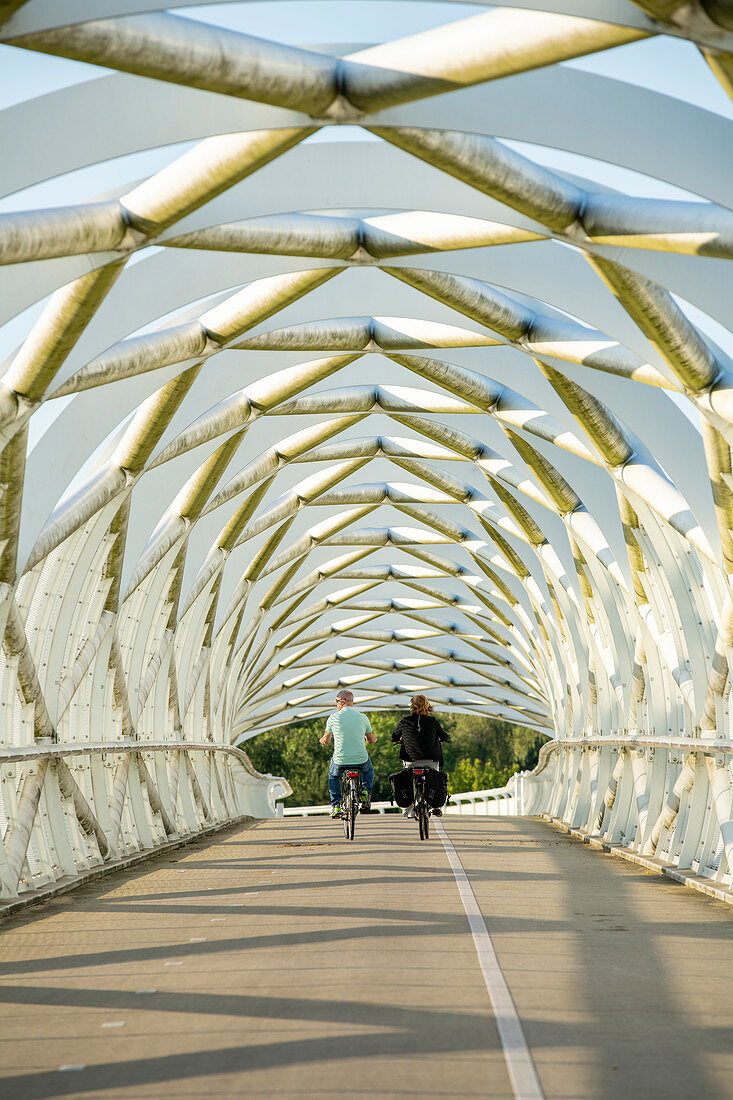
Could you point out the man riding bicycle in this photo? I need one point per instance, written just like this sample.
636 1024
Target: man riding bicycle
350 730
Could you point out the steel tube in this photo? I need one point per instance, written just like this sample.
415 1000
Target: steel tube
84 814
168 47
18 838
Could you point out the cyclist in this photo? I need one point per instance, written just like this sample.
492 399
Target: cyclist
350 729
420 736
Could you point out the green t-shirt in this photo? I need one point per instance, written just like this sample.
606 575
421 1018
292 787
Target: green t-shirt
348 727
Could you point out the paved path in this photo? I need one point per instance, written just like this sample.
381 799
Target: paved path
280 961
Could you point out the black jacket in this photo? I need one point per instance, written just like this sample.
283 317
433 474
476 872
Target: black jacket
420 735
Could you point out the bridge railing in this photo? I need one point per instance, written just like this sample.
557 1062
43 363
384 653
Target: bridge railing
666 803
66 809
508 800
325 808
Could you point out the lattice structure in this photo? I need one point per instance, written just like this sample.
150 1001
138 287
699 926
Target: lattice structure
415 411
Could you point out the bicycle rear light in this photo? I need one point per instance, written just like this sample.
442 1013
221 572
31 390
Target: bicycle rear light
352 775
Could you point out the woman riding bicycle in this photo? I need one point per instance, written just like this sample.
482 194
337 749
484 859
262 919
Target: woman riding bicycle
420 734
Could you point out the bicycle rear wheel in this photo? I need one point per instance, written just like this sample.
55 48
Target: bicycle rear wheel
352 810
423 820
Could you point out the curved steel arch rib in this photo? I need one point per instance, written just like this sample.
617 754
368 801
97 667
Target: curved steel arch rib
475 353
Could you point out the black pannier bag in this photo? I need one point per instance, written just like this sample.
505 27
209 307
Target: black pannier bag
403 792
436 788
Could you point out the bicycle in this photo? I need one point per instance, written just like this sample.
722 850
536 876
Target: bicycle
350 799
421 807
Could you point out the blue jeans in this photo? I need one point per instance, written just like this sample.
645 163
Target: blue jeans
335 772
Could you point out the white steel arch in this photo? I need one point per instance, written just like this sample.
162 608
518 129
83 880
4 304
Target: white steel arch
412 411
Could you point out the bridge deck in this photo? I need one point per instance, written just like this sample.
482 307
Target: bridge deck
280 961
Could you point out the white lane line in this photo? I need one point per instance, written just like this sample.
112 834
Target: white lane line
520 1066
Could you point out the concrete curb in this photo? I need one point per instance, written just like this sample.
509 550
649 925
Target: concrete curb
686 878
64 886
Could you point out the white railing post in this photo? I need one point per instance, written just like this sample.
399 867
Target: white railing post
60 831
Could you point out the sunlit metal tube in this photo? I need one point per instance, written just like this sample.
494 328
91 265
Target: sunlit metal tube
259 300
19 835
557 488
196 787
596 419
83 662
532 332
693 228
202 173
138 355
16 645
63 231
609 797
671 807
630 524
495 169
719 669
661 319
84 814
156 803
58 328
12 479
289 449
641 797
721 63
119 688
667 501
293 234
483 47
99 489
720 789
117 798
168 47
238 409
720 469
151 420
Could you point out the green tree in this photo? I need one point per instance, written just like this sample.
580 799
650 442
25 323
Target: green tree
482 753
472 775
